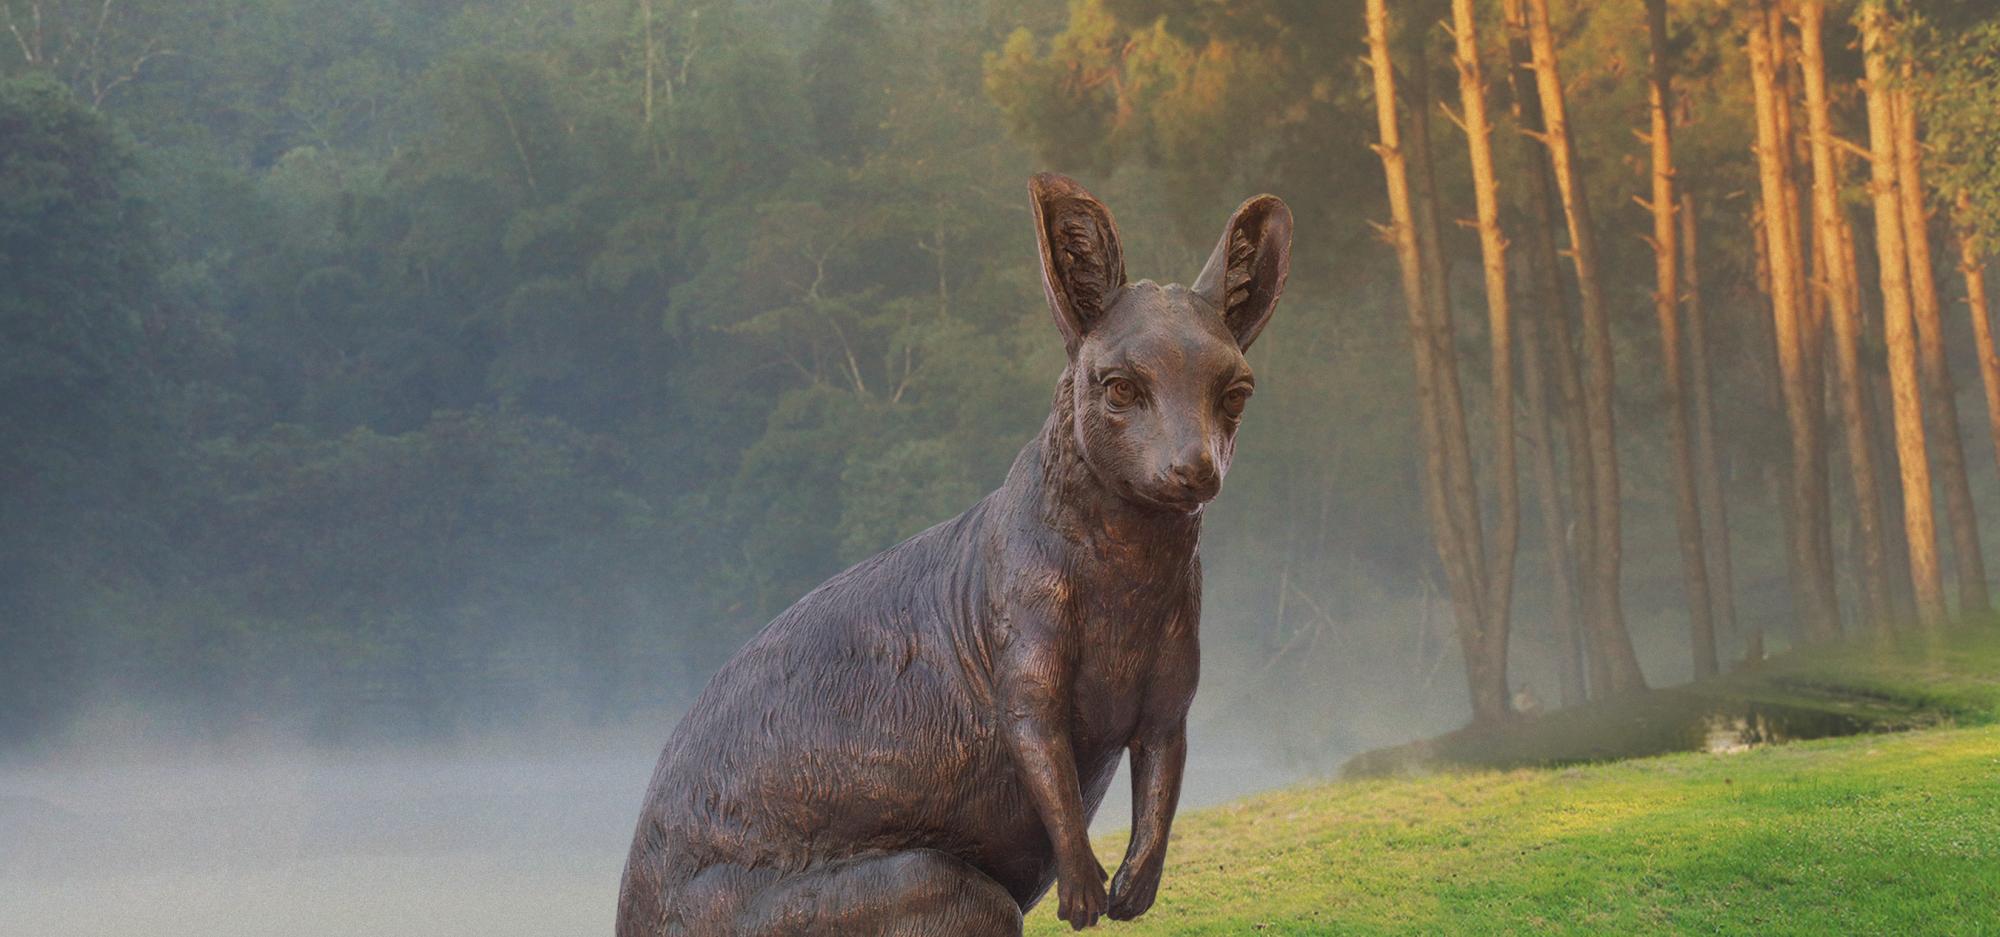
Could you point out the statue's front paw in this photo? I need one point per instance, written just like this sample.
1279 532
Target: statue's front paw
1081 898
1133 892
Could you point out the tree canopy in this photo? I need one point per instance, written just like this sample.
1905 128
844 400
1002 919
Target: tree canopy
474 359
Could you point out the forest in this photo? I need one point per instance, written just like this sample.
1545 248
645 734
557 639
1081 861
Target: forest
381 368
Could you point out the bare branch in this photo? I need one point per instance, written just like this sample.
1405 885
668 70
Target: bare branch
97 33
1852 148
28 52
97 98
1452 116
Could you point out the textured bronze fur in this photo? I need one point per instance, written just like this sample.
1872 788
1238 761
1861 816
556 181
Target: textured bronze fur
917 746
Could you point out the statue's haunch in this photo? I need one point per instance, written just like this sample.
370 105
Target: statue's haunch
917 746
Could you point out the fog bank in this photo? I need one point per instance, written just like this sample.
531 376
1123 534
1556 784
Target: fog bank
524 837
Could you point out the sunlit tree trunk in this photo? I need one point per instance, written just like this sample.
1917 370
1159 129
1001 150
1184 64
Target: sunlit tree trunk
1812 325
1666 308
1919 524
1461 482
1875 395
1606 615
1814 596
1771 384
1485 672
1837 286
1431 347
1491 644
1708 462
1552 352
1972 266
1939 391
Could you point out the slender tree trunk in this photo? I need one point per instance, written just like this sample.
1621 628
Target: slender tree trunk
1763 342
1401 234
1561 348
1817 603
1919 523
1768 342
1812 326
1837 284
1557 350
1431 354
1875 394
1666 308
1939 390
1823 242
651 52
1492 643
1708 463
1461 483
1972 266
1806 253
1549 491
1606 612
514 131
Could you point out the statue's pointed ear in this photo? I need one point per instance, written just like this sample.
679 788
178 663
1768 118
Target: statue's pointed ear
1083 266
1246 274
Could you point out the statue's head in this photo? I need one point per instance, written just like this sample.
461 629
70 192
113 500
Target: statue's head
1159 381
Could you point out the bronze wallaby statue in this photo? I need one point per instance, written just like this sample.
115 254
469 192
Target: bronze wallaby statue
917 747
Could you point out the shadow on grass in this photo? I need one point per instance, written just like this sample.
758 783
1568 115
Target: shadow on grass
1866 684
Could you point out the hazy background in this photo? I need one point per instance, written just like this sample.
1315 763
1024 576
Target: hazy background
521 837
411 402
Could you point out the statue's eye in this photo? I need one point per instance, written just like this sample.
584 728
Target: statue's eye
1234 401
1120 392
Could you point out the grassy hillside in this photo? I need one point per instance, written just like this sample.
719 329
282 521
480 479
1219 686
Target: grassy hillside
1864 685
1955 676
1877 833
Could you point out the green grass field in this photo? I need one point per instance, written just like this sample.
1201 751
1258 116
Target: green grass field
1870 834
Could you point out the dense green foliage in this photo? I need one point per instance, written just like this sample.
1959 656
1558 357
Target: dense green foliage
77 436
1960 102
379 360
461 361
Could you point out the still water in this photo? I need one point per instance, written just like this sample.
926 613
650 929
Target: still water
489 841
316 843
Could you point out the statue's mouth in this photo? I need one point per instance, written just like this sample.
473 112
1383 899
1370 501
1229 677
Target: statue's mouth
1188 505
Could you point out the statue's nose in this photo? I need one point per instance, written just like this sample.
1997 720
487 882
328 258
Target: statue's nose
1195 475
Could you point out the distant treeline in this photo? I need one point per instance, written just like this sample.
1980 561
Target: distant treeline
376 364
378 360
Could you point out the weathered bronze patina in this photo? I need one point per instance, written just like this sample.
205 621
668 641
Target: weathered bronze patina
917 746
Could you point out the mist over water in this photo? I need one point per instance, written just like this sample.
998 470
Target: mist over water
477 839
505 836
194 822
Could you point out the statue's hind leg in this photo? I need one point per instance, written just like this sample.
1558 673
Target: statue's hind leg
918 893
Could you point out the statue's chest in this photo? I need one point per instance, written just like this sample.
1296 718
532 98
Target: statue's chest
1121 632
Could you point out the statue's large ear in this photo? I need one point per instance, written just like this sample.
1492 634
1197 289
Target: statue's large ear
1082 264
1246 274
